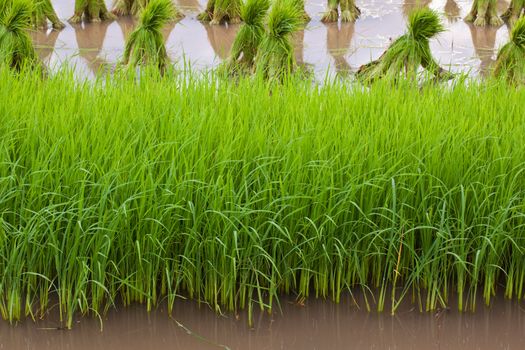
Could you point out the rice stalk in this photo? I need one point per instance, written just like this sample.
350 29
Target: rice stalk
484 12
221 11
91 11
134 7
42 12
514 12
409 52
510 63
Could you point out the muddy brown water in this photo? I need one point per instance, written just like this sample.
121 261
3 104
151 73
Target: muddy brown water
331 49
316 324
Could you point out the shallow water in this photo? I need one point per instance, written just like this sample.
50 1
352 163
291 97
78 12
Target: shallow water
326 48
314 325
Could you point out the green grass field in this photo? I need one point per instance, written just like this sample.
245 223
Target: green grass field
234 193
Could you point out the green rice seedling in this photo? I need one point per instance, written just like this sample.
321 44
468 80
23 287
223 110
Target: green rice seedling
249 37
510 63
134 7
221 11
409 52
275 57
514 12
484 12
91 11
349 11
145 45
16 47
42 12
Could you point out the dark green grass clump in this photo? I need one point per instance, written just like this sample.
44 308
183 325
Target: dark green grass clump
135 7
275 58
221 11
91 11
249 37
16 47
409 52
514 12
484 12
145 45
43 11
349 11
510 63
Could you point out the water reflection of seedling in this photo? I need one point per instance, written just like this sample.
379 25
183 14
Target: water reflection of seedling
514 12
510 63
134 7
338 39
484 41
484 12
221 38
91 11
90 39
452 10
409 52
42 12
44 42
221 11
349 11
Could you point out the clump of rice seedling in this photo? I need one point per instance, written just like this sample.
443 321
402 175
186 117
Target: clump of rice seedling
145 45
409 52
484 12
134 7
275 57
248 39
221 11
16 47
514 12
91 11
349 11
510 63
42 12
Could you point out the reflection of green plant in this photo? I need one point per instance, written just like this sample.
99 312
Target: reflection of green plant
42 11
515 11
248 39
16 48
134 7
349 11
484 12
221 11
408 52
275 57
145 45
91 10
510 63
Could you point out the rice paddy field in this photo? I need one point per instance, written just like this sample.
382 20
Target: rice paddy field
153 196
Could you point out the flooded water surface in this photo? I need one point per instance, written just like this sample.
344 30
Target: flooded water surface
326 48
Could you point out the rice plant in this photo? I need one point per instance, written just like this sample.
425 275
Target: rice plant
145 45
134 7
221 11
249 37
16 47
91 11
484 12
275 56
409 52
510 63
43 11
514 12
349 11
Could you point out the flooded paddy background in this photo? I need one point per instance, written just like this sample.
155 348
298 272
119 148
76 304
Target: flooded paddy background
325 48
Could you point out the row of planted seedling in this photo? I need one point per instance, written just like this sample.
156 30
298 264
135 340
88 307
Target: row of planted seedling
263 44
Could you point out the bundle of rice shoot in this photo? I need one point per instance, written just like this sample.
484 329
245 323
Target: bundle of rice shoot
349 11
221 11
145 45
134 7
42 12
484 12
16 48
409 52
514 12
510 63
275 57
248 39
91 10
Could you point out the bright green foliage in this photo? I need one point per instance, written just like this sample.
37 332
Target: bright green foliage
145 45
42 12
510 63
349 11
91 10
409 52
16 48
275 57
484 12
134 7
221 11
248 39
514 12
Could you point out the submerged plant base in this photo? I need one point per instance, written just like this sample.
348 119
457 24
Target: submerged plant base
134 7
484 12
42 12
91 11
221 11
349 11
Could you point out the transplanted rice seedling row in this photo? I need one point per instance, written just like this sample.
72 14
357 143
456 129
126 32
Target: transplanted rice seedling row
234 193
